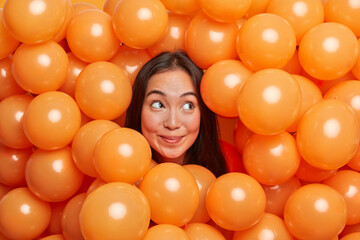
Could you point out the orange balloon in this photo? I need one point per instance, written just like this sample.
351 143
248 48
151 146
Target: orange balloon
220 86
182 7
198 231
172 192
204 178
54 237
109 6
302 15
269 227
51 120
8 84
61 34
165 232
153 163
208 41
356 69
271 159
122 155
269 101
174 37
82 6
232 157
308 173
23 215
225 11
277 195
315 211
328 135
91 37
11 121
33 21
70 218
241 136
140 23
265 41
130 60
7 42
115 209
354 163
4 189
41 67
103 90
328 51
352 236
350 229
256 7
52 175
83 144
226 233
293 66
94 185
54 227
233 195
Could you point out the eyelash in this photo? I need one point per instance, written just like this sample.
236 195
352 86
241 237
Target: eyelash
161 105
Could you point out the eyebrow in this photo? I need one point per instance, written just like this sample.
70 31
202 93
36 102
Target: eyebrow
163 94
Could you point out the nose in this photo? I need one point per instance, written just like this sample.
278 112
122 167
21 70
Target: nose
172 120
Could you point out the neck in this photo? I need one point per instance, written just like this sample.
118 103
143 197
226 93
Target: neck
161 159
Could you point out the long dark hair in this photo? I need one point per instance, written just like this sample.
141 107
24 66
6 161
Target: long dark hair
206 149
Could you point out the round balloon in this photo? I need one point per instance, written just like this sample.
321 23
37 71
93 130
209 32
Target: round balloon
198 231
182 7
7 41
166 231
225 11
8 84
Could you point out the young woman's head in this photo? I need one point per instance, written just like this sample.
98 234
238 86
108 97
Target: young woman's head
168 110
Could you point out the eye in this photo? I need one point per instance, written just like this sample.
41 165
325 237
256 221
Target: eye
188 106
157 104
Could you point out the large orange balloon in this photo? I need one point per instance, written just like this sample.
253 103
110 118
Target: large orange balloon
165 232
172 192
225 11
115 209
235 201
315 212
182 7
51 120
7 42
328 135
23 215
208 41
198 231
52 175
328 51
70 218
122 155
103 90
269 101
8 84
140 23
34 21
11 121
41 67
91 37
220 86
265 41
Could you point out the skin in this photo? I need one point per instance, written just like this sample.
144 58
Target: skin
170 117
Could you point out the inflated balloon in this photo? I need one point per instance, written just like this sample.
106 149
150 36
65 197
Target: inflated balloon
4 189
53 175
172 192
103 90
153 163
256 7
165 232
115 209
51 120
225 11
350 229
8 84
208 41
352 236
233 195
82 6
83 144
7 41
109 6
308 173
354 163
232 157
273 159
315 211
293 66
12 165
269 227
182 7
328 51
54 237
95 184
198 231
328 135
140 23
34 21
61 34
265 41
220 86
302 15
70 218
11 125
130 60
241 136
269 101
54 227
41 67
29 215
356 68
228 234
122 155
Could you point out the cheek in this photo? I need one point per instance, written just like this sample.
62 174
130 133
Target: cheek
193 123
149 122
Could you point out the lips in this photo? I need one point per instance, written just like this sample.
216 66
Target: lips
172 139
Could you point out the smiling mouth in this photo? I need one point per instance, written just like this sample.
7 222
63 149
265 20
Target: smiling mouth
171 139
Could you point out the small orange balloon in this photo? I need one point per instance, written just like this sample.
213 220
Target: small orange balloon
265 41
109 6
182 7
233 195
122 155
23 215
172 192
4 189
54 237
352 236
356 69
350 229
241 136
328 135
208 41
94 185
82 6
91 37
294 66
308 173
198 231
70 218
256 7
354 163
7 42
103 90
8 84
328 51
51 120
115 209
269 101
225 11
315 211
220 86
153 163
69 14
54 227
165 232
140 23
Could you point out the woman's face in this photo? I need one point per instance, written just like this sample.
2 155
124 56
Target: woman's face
170 117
